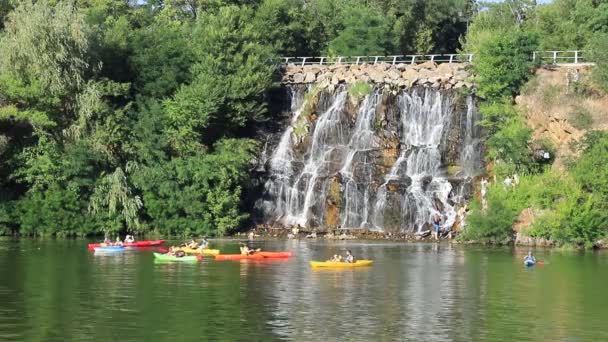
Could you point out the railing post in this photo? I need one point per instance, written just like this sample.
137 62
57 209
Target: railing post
576 57
451 58
358 59
432 57
413 59
339 59
394 59
322 59
534 56
303 60
554 57
376 60
286 59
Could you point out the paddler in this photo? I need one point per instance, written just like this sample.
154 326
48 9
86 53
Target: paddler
118 242
204 244
336 258
530 257
129 239
248 251
349 257
192 244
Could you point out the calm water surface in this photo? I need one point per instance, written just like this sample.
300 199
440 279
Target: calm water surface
59 291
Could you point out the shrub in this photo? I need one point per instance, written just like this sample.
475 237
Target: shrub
359 90
581 118
599 54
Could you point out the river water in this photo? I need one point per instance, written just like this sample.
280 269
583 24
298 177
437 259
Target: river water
58 291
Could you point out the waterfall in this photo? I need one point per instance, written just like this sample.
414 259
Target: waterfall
363 140
338 174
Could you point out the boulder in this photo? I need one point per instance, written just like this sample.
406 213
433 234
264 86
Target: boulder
376 76
364 78
445 68
428 65
298 78
310 77
393 74
335 80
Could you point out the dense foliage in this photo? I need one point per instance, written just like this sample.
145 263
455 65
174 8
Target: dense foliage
139 115
569 207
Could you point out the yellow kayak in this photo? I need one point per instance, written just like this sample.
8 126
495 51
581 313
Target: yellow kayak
205 251
357 263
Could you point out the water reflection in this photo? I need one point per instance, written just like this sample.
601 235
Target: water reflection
58 291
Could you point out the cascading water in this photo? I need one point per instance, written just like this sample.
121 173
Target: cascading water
338 174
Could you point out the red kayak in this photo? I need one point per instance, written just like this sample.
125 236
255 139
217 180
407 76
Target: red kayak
148 243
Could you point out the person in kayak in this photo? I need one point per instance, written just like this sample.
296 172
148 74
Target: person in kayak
204 244
118 242
349 257
176 253
530 257
129 239
336 258
245 250
193 244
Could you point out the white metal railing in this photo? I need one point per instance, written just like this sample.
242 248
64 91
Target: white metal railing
543 57
394 59
559 57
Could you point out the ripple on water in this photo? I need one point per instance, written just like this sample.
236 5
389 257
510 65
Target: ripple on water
58 292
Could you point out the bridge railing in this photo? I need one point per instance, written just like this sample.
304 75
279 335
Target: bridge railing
394 59
543 57
560 57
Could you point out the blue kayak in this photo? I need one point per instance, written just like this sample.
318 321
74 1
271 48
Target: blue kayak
529 262
109 248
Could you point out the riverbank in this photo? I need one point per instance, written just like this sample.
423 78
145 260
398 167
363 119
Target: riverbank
340 234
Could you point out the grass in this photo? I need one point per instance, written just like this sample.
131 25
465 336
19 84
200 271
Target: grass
550 94
531 86
359 90
581 118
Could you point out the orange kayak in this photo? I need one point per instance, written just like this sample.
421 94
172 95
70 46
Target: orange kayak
256 256
275 254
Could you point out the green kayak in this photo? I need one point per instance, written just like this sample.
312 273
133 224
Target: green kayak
166 257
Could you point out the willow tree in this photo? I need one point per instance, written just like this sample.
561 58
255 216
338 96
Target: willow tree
44 57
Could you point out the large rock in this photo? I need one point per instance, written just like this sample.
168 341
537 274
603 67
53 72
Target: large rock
298 78
310 77
445 68
428 65
376 76
393 74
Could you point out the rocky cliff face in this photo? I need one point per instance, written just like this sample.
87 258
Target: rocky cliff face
561 112
387 160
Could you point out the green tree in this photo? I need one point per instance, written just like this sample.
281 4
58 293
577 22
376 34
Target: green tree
229 79
503 63
365 33
44 58
598 47
198 194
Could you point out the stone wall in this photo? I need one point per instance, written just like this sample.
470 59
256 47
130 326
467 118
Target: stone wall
428 74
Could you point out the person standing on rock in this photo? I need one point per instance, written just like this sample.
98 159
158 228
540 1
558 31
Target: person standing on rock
436 225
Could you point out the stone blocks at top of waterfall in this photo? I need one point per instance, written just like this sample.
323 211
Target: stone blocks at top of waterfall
428 74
